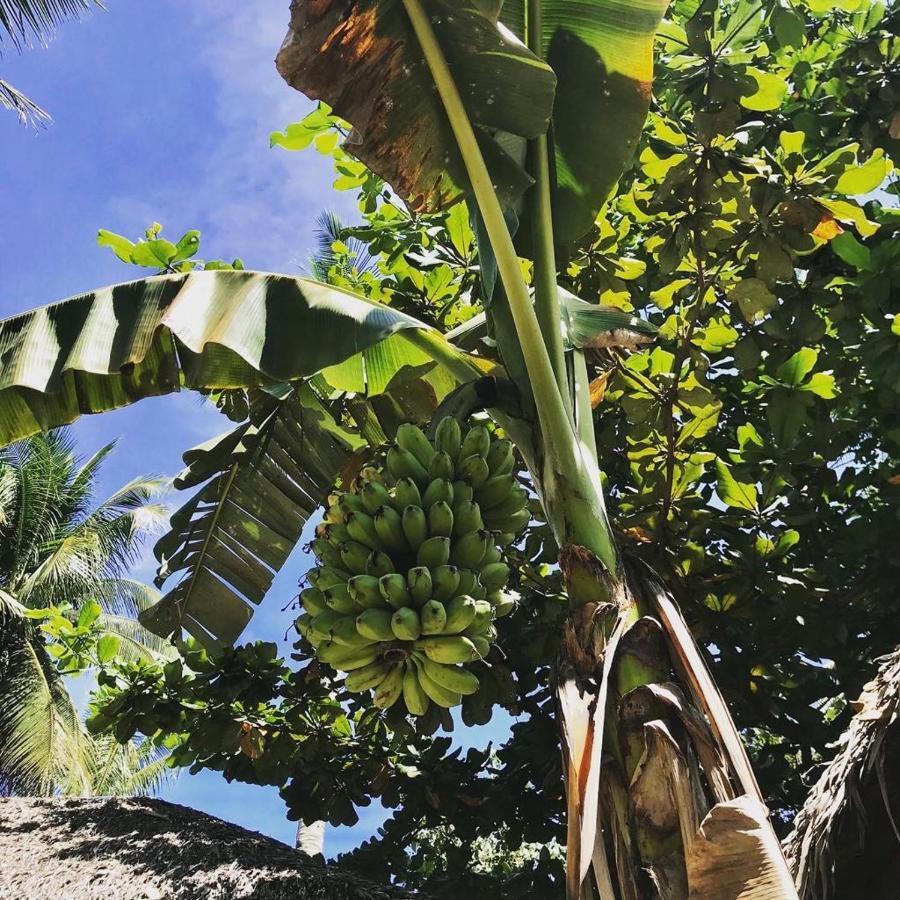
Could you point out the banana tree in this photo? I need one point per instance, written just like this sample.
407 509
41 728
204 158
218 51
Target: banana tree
528 112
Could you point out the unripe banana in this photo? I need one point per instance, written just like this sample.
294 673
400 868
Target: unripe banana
433 617
344 632
393 589
391 687
501 458
389 528
504 538
474 469
495 491
406 624
448 437
477 442
304 625
512 523
441 467
439 489
466 518
333 513
435 692
494 576
374 496
459 681
406 493
440 520
469 549
449 650
414 697
375 624
514 501
325 577
361 528
355 556
323 623
503 603
402 464
468 582
327 553
410 437
335 534
350 503
367 677
492 555
338 598
482 646
313 601
460 614
379 564
347 658
364 590
445 581
420 585
434 552
484 615
415 526
462 491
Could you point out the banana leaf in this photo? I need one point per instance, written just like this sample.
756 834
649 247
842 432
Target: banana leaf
219 329
364 61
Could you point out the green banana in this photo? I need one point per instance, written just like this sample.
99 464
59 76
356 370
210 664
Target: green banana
459 681
374 496
440 520
460 614
338 598
462 491
420 585
512 523
325 577
482 646
441 467
495 490
361 528
445 581
350 503
393 589
355 556
468 582
379 564
439 489
484 615
327 553
504 538
474 469
476 442
402 464
433 617
494 576
347 658
449 650
406 624
515 500
411 438
323 623
344 632
448 437
434 552
503 605
415 526
491 556
364 590
367 677
501 458
304 626
391 686
466 518
414 697
406 493
437 694
335 533
389 528
375 624
313 601
469 549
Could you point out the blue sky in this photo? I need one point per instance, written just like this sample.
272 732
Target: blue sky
162 113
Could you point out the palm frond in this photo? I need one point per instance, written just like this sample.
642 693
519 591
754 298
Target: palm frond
330 231
29 112
26 21
136 643
127 770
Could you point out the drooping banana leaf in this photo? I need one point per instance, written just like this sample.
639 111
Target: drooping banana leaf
602 54
218 329
364 61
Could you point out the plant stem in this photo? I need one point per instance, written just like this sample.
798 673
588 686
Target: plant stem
441 351
584 412
546 297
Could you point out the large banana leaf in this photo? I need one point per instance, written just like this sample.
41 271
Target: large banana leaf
218 329
363 59
602 53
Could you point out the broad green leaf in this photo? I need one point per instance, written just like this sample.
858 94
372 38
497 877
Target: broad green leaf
89 614
108 647
735 493
364 60
852 213
754 299
111 347
119 245
794 370
821 384
786 412
769 93
863 179
851 251
602 53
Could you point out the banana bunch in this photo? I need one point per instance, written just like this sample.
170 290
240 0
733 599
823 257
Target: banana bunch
411 573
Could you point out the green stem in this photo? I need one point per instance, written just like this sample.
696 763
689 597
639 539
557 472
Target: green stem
441 351
546 296
584 412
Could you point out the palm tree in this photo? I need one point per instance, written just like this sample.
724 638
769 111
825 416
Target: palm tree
59 551
24 22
